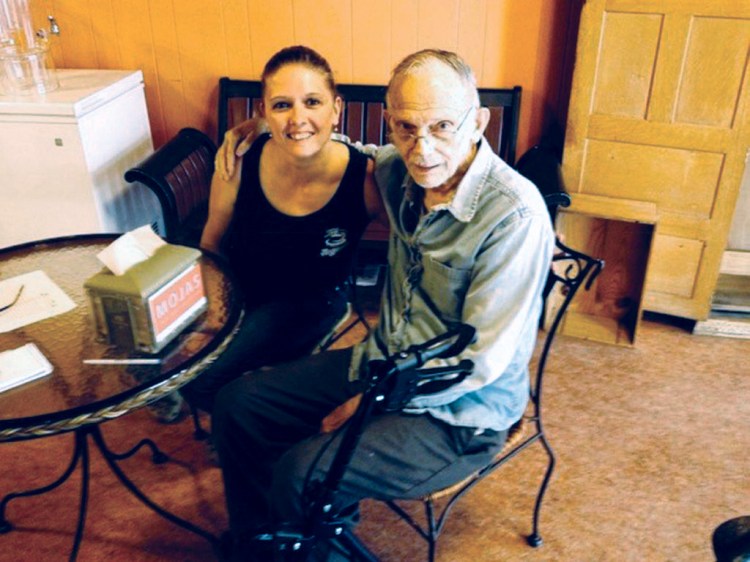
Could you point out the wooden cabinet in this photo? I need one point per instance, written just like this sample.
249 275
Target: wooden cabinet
659 114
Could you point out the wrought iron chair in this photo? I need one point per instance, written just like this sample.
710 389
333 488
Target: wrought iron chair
570 271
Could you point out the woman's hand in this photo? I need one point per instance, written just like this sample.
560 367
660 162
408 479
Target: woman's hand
340 415
236 143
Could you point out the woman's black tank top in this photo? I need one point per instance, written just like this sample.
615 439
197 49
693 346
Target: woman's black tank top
277 256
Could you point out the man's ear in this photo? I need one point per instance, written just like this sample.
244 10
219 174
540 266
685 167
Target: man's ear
482 120
387 119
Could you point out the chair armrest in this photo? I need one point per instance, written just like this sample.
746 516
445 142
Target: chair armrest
179 173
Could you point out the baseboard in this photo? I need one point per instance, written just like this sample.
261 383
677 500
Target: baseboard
735 262
724 325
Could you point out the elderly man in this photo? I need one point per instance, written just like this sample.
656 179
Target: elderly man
471 242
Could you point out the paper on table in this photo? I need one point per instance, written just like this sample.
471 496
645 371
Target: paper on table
22 365
129 249
41 298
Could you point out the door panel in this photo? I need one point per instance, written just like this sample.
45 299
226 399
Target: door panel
680 181
623 88
714 64
674 265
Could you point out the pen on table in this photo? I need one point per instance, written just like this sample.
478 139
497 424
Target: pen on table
122 361
15 299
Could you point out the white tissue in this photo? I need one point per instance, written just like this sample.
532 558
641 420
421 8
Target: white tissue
129 249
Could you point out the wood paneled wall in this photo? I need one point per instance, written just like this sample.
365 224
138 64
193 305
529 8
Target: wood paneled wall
184 46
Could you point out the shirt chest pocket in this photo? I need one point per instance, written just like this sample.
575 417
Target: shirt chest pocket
446 286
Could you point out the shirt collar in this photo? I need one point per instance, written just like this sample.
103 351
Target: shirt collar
464 203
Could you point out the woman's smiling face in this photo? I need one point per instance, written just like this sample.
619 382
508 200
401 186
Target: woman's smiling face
300 108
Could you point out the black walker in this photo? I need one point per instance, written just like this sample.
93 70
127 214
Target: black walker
390 384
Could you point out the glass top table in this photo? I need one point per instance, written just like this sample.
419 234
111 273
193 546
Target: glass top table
77 397
76 393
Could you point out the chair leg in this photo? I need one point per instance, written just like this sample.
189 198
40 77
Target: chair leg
432 530
200 434
535 539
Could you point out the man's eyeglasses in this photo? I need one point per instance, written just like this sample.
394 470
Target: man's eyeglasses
440 132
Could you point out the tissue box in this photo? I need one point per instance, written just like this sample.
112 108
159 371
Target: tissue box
152 302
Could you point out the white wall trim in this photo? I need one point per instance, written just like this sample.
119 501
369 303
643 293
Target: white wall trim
735 263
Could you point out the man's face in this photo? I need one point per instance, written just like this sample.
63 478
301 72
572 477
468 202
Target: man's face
434 124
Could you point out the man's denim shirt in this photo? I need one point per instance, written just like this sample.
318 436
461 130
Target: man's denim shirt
481 259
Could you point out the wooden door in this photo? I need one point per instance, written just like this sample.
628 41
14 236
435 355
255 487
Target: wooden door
659 113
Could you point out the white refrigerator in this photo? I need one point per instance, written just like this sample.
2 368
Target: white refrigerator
63 155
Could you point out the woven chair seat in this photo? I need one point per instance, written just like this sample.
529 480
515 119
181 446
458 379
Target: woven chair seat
515 435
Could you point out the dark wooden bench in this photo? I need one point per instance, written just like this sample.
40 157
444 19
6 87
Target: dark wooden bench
363 121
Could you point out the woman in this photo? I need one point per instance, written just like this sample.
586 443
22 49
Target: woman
289 221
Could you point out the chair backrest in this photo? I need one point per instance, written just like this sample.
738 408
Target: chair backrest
505 112
238 100
362 118
179 173
570 270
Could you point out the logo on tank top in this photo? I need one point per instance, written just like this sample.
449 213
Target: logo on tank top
334 241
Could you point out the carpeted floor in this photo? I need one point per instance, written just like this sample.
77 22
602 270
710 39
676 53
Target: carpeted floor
652 446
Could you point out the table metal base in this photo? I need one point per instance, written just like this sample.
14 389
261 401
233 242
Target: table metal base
81 454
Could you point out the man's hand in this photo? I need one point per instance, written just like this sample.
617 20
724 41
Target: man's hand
340 415
236 143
